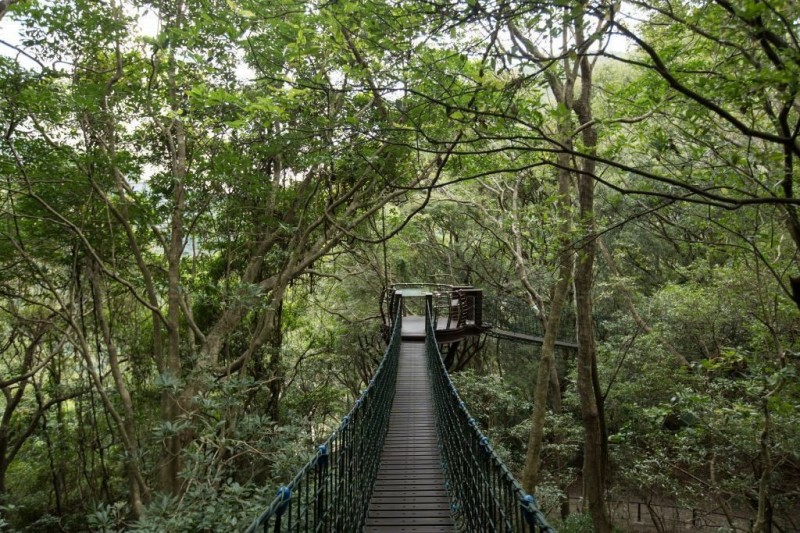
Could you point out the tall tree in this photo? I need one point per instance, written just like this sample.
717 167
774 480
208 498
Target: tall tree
734 99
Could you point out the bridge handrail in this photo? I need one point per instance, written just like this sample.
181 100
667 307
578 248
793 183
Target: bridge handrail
333 489
485 495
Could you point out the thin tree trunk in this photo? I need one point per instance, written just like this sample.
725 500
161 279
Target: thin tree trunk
120 209
12 400
4 5
595 453
530 473
171 405
55 473
593 456
555 401
170 400
274 370
139 493
763 523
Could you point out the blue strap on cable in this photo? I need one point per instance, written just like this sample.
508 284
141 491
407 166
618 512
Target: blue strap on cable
285 494
533 516
322 456
528 508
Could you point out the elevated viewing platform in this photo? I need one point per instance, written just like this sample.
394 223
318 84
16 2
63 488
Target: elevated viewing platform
458 308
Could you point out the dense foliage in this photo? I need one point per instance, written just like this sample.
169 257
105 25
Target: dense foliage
201 201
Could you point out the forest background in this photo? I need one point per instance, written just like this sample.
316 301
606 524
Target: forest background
201 201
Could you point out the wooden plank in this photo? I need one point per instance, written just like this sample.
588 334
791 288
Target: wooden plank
412 521
416 479
395 515
428 467
395 528
421 506
413 500
424 464
428 472
409 494
409 491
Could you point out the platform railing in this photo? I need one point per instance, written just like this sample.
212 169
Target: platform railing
509 314
460 305
484 494
332 491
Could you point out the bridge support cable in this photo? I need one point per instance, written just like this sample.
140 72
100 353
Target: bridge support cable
485 495
332 491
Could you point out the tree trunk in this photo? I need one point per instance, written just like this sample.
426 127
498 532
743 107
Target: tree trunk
275 371
763 523
56 473
170 399
4 5
530 473
593 456
595 453
174 134
139 493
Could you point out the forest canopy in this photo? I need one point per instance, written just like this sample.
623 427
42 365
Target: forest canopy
202 200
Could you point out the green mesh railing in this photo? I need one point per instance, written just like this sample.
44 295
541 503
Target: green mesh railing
485 495
332 491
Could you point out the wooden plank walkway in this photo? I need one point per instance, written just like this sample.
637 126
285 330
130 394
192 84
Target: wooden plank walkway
409 492
414 329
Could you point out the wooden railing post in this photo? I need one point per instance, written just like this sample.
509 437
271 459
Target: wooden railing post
474 309
429 305
478 307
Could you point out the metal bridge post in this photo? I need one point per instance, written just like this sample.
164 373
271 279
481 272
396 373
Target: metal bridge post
321 482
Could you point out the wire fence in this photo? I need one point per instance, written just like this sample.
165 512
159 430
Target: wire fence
515 316
332 491
485 495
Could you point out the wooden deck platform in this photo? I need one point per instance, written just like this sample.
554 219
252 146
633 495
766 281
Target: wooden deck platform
414 329
409 492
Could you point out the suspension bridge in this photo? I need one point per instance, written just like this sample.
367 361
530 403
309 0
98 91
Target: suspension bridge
409 457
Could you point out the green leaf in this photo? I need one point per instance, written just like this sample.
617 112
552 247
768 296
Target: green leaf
239 10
